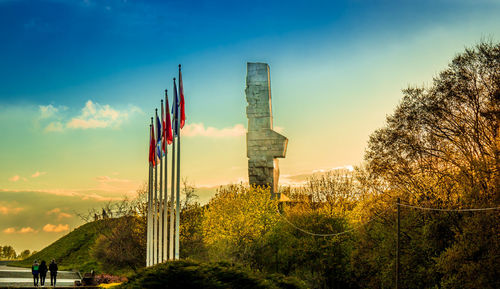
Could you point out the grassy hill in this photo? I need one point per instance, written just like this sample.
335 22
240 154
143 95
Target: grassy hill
72 251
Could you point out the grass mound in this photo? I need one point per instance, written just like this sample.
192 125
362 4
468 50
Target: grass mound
72 251
191 274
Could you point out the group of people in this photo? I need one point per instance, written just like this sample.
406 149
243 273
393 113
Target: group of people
39 271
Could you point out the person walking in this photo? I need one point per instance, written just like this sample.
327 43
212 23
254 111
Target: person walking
53 272
43 272
35 272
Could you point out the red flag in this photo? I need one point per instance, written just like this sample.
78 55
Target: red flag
168 122
181 92
152 145
163 138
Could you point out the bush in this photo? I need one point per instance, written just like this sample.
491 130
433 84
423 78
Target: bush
191 274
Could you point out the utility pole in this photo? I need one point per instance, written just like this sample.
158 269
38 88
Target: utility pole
397 247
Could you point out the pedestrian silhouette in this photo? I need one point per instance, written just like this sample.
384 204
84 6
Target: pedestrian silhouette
42 269
35 272
53 272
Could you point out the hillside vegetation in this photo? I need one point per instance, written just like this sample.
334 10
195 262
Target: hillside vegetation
73 251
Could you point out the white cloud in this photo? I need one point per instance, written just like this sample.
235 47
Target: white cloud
95 115
47 111
60 215
37 174
346 167
8 210
54 211
106 179
27 230
81 194
15 178
92 115
10 230
199 129
55 229
24 230
63 215
298 179
18 177
54 126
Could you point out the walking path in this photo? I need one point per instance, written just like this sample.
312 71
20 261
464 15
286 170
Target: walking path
21 277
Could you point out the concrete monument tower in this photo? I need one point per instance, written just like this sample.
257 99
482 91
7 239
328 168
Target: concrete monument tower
264 145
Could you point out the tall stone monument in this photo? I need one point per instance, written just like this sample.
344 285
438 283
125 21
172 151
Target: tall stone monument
264 145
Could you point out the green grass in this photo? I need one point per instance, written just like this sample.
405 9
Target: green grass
72 251
191 274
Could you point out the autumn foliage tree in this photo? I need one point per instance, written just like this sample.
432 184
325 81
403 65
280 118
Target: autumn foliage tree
440 149
442 143
123 247
236 217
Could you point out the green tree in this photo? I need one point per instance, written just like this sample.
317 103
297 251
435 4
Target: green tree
296 244
8 253
236 217
191 233
191 224
24 254
323 261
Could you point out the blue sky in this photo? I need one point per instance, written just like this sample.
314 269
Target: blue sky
80 79
55 50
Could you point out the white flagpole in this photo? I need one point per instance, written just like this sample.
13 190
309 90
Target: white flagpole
160 213
178 123
163 203
178 211
148 215
164 215
172 206
177 200
151 228
155 212
172 197
165 200
155 208
151 220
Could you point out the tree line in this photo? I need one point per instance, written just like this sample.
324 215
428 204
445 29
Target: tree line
8 253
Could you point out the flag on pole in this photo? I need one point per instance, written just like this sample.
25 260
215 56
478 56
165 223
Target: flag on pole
168 123
181 93
175 110
163 137
152 159
158 136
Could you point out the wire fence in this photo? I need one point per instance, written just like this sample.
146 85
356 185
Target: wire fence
449 210
331 234
377 216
